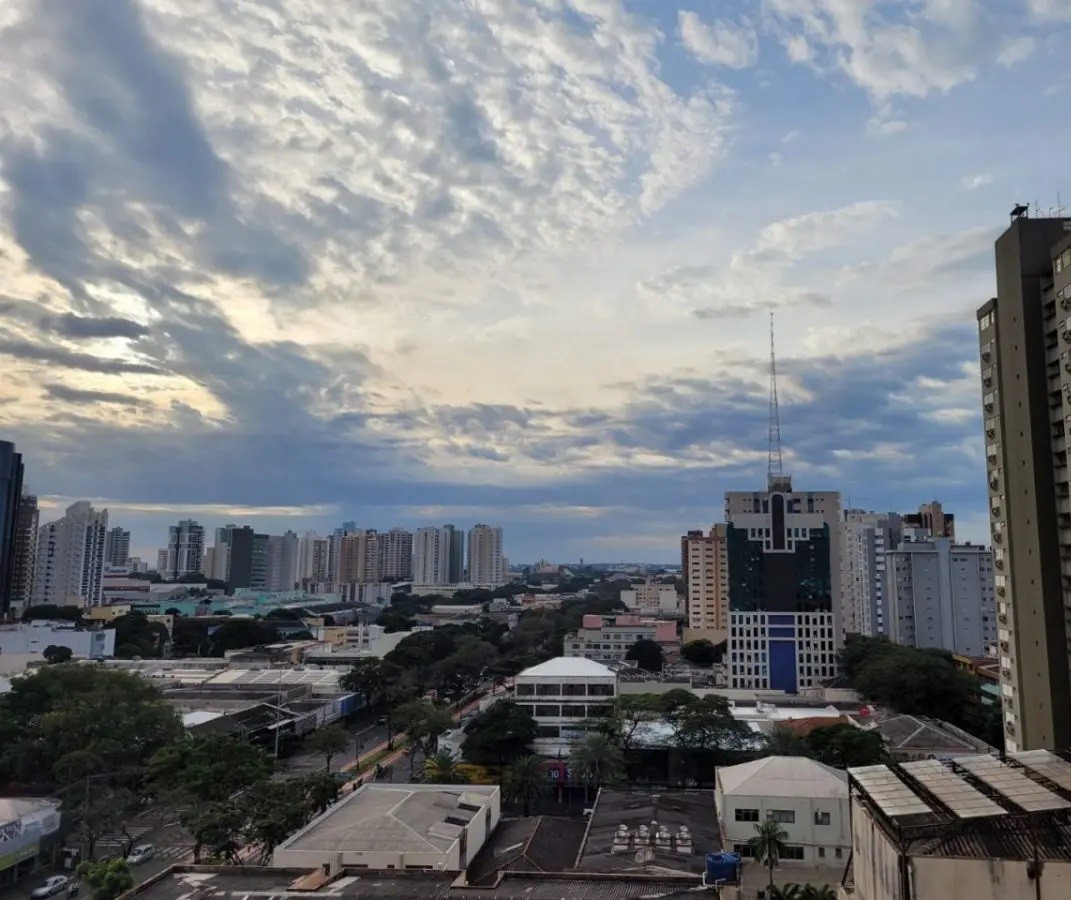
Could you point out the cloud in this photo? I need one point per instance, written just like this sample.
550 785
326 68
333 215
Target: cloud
1050 10
69 359
221 511
1016 51
720 44
775 159
77 396
973 182
71 326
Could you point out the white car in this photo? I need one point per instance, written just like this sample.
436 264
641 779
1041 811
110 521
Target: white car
141 853
52 885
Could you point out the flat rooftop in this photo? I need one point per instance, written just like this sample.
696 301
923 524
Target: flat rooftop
403 818
256 883
695 810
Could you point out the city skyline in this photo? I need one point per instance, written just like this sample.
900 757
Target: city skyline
547 308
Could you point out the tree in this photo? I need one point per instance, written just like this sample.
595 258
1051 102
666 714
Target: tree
785 892
216 827
108 879
238 633
700 653
785 741
423 722
135 635
627 714
597 760
708 725
394 621
369 677
817 892
525 781
274 811
442 768
647 654
51 611
327 742
200 770
768 845
55 654
844 745
498 735
321 790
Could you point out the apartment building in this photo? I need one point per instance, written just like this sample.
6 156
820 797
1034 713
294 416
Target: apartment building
117 547
185 549
609 638
704 569
26 526
1024 336
358 556
867 537
652 599
396 554
486 563
70 557
11 473
564 695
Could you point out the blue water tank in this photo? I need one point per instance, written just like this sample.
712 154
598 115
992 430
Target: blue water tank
723 866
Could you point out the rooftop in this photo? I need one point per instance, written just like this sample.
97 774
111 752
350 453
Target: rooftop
695 810
973 806
402 818
918 733
536 844
784 776
568 667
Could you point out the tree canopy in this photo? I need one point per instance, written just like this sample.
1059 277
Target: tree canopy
702 652
499 735
647 654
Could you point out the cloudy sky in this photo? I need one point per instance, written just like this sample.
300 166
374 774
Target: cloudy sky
294 262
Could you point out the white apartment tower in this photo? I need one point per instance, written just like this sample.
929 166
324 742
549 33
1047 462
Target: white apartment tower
185 549
704 568
485 555
282 562
867 537
396 554
70 557
431 556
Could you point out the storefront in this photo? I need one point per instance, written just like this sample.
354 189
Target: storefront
28 828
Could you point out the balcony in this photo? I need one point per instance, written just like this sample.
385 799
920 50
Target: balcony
989 401
987 352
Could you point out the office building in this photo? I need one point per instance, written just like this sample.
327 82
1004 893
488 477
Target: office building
564 695
185 549
396 555
282 562
941 595
248 564
11 471
485 556
1025 351
25 554
431 556
117 548
867 537
457 554
705 571
70 557
933 519
783 549
161 561
218 557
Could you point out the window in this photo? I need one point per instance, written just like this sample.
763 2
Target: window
747 815
821 852
575 690
821 818
547 712
525 690
744 850
838 853
570 711
548 690
600 690
548 731
792 853
784 816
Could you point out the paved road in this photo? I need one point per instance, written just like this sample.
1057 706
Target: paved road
369 736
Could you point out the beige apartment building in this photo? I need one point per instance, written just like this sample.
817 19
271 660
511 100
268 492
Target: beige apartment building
1024 336
705 570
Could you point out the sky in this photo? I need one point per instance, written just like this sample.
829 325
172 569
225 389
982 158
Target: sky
403 262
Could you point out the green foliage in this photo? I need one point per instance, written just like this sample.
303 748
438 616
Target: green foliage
203 770
499 735
844 746
525 781
627 714
707 724
107 879
274 811
423 722
135 635
442 768
118 717
328 742
51 611
394 621
597 760
702 652
784 741
55 654
369 678
238 633
647 655
768 845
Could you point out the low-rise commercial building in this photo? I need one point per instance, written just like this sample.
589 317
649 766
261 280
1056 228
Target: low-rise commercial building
562 694
28 827
807 799
32 638
399 826
611 638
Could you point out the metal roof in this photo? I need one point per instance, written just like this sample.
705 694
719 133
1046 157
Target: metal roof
955 793
1011 783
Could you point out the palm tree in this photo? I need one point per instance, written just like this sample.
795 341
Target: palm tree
442 768
525 781
768 845
597 760
787 892
783 741
817 892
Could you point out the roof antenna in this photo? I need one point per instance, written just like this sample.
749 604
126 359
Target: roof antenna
774 466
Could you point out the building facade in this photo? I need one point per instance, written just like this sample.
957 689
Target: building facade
705 571
282 562
932 518
25 553
609 638
867 537
185 549
783 549
117 548
69 566
396 554
485 555
563 695
652 599
941 595
1025 351
431 556
358 556
11 472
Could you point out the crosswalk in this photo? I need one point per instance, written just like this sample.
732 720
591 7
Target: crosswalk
115 843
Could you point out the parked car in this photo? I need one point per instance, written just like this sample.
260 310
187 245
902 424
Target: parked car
141 853
52 885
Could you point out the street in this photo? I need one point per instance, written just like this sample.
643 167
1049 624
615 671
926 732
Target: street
301 763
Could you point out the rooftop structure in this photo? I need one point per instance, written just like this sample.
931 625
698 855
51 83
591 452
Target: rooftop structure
917 737
406 826
563 694
532 845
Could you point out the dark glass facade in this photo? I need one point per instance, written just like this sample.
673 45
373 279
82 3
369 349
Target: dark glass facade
798 581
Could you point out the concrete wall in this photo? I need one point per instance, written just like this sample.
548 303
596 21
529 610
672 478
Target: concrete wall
989 879
802 833
875 861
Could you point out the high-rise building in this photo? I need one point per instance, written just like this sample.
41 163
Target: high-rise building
941 595
240 557
485 555
25 553
11 471
867 537
117 547
783 549
161 561
313 558
705 571
358 557
431 556
282 562
1025 347
70 557
185 549
457 554
933 519
396 554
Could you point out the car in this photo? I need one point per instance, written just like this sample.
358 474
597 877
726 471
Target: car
141 853
52 885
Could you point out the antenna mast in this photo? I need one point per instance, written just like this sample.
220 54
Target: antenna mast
774 468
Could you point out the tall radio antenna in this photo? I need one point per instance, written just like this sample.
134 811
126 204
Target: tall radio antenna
774 467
